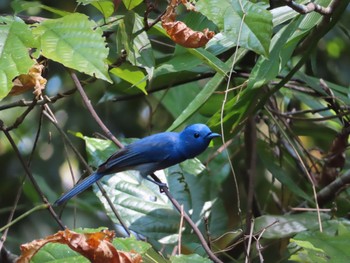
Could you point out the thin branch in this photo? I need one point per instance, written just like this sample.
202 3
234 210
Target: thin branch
29 174
287 115
44 100
308 8
329 192
21 118
210 253
150 8
19 191
92 111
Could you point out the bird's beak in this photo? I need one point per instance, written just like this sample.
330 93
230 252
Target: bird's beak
213 135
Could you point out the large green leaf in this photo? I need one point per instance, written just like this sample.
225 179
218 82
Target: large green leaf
267 69
54 252
76 42
15 39
136 42
322 247
132 75
131 4
106 7
276 226
256 29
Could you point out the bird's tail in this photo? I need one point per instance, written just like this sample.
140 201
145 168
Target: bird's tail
80 187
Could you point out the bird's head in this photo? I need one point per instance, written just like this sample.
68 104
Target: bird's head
194 139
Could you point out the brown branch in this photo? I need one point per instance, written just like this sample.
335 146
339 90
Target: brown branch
44 100
329 192
150 8
92 111
21 118
308 8
207 249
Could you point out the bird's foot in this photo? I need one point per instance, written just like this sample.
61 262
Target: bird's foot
159 183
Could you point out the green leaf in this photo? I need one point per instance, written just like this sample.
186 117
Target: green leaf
177 99
211 60
204 95
73 42
181 62
131 4
322 247
20 6
287 225
106 7
132 75
271 164
267 69
136 42
15 39
194 258
248 24
54 252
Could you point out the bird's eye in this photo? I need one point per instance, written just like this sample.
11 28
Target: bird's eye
196 135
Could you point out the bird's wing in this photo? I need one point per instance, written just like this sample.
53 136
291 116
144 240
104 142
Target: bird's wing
154 149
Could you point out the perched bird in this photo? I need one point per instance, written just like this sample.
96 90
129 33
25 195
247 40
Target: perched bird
150 154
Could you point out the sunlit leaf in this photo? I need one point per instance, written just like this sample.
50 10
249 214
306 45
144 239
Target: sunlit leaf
244 22
322 247
132 75
106 7
136 43
76 42
131 4
15 39
287 225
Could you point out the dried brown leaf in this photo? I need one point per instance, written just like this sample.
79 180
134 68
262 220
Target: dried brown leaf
97 247
179 32
32 80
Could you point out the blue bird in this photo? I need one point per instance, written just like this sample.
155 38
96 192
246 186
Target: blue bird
150 154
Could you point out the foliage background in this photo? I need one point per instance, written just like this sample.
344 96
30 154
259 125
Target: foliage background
259 139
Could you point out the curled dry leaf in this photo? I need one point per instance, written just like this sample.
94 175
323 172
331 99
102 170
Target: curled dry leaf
32 80
97 247
179 32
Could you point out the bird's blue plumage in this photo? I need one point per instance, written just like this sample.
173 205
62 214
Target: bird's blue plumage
150 154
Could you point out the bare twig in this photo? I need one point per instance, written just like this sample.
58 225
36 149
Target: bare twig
92 111
21 118
251 228
329 192
180 229
44 100
308 8
29 174
19 191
